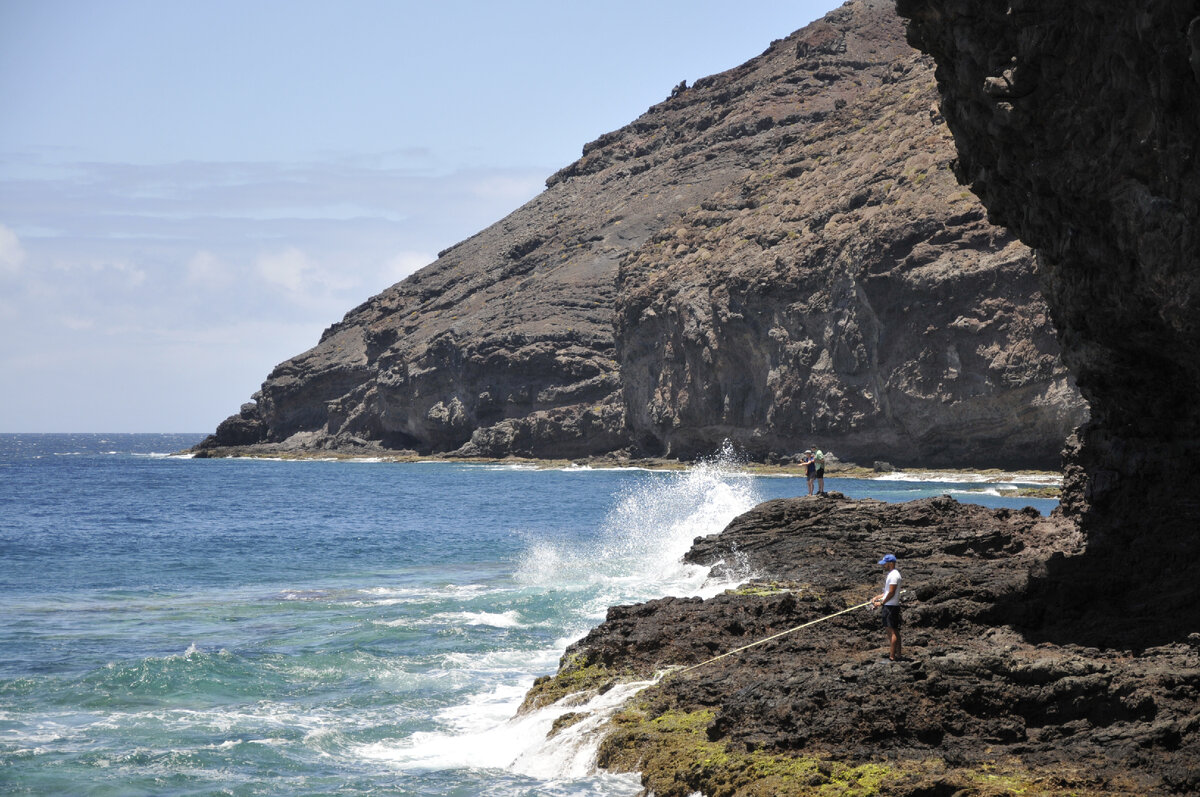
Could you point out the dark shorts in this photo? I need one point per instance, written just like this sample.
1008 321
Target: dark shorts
891 617
810 472
820 473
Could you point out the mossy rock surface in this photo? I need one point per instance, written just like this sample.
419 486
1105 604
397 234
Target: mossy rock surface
673 752
574 677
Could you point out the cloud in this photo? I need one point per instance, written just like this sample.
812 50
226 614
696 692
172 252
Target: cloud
206 272
132 275
115 264
302 279
290 269
12 255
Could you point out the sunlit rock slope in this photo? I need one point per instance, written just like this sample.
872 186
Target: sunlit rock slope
778 255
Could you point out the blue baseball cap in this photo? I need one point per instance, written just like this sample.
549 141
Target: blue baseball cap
889 558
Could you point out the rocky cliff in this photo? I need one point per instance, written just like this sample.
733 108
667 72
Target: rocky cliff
778 255
1079 126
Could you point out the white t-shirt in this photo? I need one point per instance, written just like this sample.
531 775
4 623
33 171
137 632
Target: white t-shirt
893 577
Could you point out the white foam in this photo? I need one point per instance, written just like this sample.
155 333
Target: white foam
571 753
389 596
517 466
992 491
642 541
522 663
401 623
636 556
485 734
951 477
509 619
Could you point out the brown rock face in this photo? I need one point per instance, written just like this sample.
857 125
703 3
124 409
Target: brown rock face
1079 126
778 255
827 295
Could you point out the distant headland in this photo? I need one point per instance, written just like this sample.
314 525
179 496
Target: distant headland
778 255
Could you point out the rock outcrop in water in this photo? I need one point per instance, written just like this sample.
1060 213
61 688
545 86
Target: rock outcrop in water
777 255
999 694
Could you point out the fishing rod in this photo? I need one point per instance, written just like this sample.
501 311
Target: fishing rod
776 636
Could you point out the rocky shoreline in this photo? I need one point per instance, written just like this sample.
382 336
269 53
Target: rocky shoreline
1024 483
1007 688
795 278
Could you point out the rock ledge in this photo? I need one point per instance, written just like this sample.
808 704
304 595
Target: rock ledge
997 696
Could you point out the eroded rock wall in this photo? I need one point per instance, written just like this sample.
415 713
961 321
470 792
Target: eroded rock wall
1078 124
847 292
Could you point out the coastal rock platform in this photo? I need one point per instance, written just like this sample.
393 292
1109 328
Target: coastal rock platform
1001 690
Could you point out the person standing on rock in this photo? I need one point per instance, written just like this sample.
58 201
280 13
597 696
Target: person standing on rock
889 599
819 472
810 468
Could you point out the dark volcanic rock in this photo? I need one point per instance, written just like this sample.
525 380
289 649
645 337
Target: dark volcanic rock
982 693
777 255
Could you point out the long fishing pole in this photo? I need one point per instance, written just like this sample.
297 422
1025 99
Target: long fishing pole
776 636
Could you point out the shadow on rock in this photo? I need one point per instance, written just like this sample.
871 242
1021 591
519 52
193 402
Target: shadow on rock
1111 599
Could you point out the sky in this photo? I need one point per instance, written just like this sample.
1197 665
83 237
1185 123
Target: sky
191 191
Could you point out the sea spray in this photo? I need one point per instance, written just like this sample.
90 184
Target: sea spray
571 752
523 744
634 555
638 552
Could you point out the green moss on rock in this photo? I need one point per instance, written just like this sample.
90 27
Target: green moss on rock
676 758
574 676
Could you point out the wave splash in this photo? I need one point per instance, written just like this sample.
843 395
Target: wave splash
636 555
641 542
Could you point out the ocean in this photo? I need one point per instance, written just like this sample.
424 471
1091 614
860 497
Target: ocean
178 626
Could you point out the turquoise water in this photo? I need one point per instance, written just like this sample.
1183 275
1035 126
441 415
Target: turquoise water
180 626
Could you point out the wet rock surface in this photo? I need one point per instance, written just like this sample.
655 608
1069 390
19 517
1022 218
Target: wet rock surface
777 255
994 695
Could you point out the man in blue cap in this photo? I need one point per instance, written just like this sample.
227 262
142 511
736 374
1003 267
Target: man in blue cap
889 599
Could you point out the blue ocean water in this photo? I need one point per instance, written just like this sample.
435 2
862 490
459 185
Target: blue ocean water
236 627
